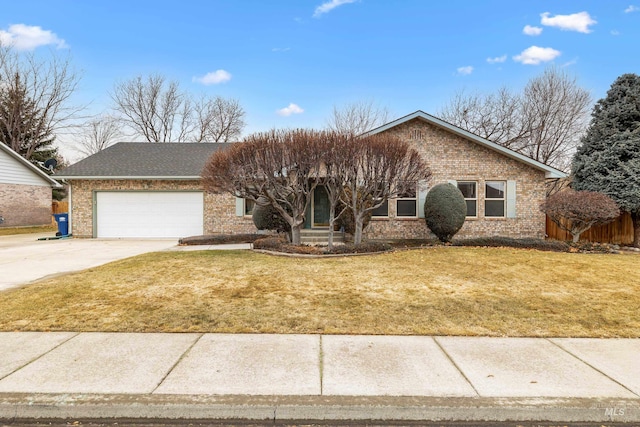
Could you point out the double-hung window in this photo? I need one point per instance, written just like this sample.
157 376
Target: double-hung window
381 211
494 199
407 203
469 190
248 207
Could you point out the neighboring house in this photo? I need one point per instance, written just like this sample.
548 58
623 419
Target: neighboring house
153 190
25 191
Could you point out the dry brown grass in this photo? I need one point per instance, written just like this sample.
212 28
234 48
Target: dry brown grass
6 231
436 291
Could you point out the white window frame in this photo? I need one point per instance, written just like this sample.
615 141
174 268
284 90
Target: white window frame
475 183
494 199
415 200
373 215
245 203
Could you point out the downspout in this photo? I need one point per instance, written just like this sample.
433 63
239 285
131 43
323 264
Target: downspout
69 199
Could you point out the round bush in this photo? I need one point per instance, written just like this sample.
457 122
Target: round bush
266 217
445 211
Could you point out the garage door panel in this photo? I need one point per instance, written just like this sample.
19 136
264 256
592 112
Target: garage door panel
149 214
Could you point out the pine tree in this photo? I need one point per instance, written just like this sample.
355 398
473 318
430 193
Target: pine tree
23 126
608 159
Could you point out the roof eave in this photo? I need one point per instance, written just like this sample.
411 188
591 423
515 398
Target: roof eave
28 164
550 172
94 177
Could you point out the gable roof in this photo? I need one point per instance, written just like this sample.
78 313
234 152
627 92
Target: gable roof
144 160
30 166
550 172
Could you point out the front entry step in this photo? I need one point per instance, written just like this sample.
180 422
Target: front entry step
319 236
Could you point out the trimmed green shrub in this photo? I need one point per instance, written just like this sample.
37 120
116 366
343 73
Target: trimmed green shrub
445 211
266 217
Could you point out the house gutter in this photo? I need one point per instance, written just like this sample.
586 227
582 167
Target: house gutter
93 177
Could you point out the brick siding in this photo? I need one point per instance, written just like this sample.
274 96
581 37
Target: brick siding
25 205
452 157
219 210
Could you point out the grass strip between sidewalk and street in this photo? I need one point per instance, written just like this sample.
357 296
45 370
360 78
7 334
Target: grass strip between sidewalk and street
433 291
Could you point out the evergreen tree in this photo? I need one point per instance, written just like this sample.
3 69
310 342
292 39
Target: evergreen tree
23 126
608 160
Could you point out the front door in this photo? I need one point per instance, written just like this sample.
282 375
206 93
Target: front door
320 207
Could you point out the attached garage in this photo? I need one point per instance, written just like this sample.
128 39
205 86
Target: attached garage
148 214
149 190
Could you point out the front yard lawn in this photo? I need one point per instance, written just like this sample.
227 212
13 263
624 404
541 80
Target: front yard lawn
7 231
433 291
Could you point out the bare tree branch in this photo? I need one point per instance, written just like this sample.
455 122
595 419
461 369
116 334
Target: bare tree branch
357 118
545 122
218 119
157 110
98 134
154 108
41 91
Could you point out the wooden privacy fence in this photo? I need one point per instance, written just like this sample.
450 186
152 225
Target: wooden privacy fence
619 232
57 208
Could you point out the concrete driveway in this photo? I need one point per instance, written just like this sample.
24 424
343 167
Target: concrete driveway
24 258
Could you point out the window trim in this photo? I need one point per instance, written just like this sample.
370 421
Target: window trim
414 199
503 199
373 216
244 208
476 199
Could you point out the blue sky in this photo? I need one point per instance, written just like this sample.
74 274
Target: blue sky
289 62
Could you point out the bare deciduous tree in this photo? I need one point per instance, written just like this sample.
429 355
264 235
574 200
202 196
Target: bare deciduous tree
556 112
218 119
357 118
154 108
157 110
545 122
281 167
577 211
40 92
494 116
98 134
382 167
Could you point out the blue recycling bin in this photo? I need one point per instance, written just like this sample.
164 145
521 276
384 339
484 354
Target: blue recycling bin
63 223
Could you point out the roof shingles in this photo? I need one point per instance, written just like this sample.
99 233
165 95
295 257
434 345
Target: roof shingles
143 159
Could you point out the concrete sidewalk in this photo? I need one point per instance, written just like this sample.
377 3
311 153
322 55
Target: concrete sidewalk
98 376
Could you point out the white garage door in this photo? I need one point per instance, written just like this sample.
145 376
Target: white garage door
149 214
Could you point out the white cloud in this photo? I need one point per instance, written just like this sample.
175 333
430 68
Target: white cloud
29 37
531 30
534 55
280 49
615 33
497 59
631 8
213 78
329 6
579 22
465 71
291 109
